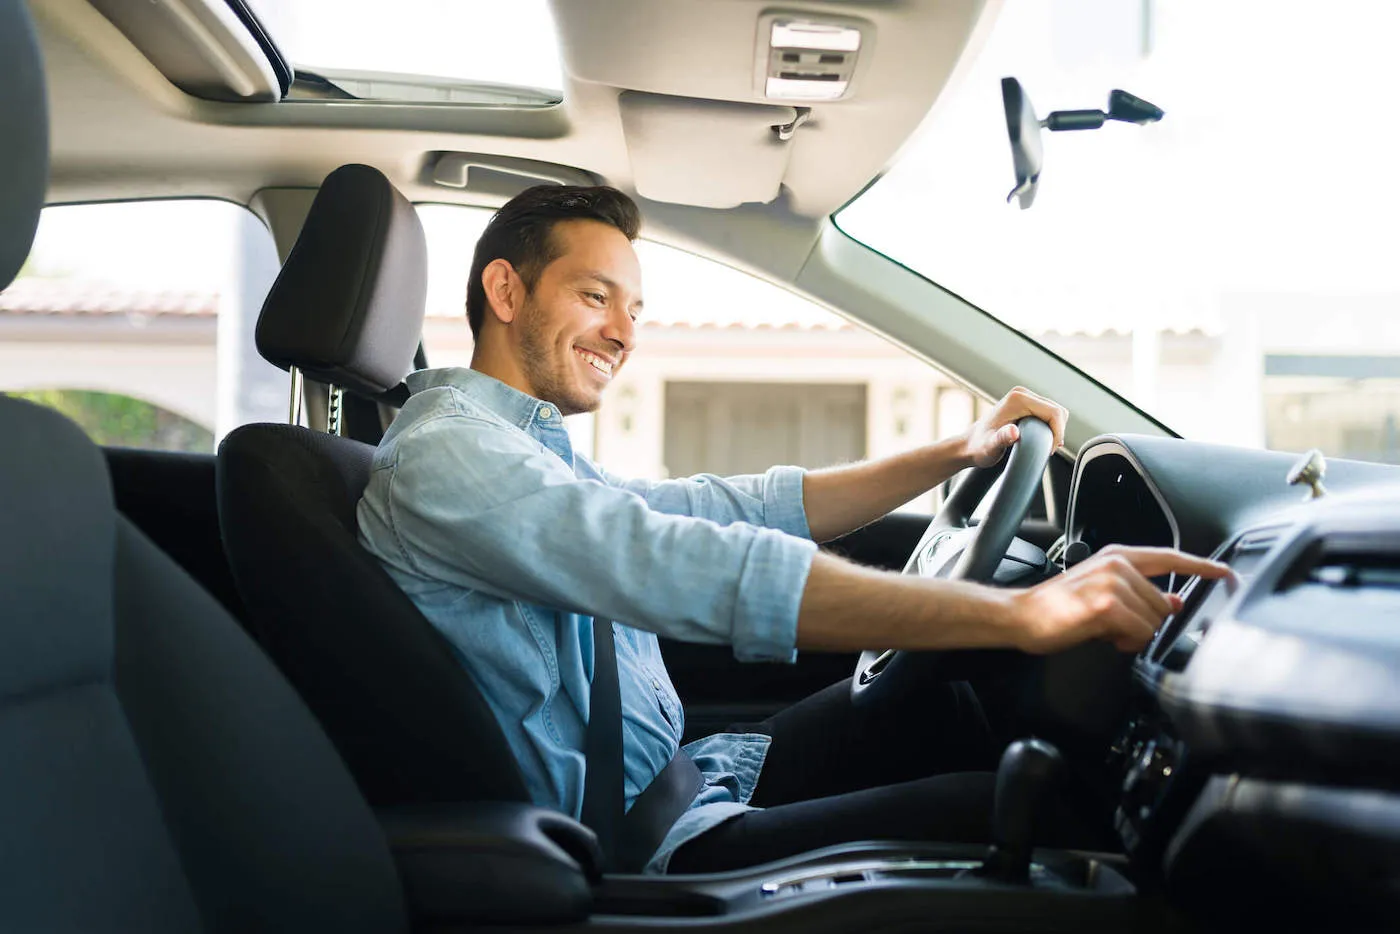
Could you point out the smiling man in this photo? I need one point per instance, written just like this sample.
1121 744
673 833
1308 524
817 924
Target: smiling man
514 546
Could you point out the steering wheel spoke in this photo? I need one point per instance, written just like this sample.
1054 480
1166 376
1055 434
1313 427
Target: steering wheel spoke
953 548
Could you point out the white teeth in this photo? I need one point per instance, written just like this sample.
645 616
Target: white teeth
598 363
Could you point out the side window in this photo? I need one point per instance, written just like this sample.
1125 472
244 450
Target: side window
731 374
136 320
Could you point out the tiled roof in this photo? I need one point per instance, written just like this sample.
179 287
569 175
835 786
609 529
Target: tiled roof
677 310
38 296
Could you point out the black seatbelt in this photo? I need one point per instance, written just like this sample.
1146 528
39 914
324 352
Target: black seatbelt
627 842
602 749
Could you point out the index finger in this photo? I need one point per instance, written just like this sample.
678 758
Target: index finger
1152 562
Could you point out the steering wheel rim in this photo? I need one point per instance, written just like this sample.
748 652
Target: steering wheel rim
880 673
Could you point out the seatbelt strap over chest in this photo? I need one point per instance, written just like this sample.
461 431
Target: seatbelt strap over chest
629 841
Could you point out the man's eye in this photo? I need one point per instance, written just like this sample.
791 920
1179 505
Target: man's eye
598 297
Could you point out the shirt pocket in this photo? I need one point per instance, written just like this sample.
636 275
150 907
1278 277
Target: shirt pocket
669 703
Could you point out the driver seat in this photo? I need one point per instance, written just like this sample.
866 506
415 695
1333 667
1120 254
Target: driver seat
347 308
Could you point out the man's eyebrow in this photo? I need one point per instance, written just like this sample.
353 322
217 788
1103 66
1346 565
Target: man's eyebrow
609 284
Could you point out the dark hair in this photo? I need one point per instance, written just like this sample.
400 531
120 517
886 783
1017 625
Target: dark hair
520 233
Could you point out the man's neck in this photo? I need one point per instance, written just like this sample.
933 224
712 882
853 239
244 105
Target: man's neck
500 367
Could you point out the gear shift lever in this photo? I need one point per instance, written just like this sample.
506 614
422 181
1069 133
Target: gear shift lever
1029 769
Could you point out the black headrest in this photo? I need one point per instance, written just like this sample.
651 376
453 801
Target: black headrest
24 130
348 306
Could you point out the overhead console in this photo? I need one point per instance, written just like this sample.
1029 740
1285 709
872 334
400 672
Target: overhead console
676 142
724 104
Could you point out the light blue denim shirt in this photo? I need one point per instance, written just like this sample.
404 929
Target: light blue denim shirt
511 544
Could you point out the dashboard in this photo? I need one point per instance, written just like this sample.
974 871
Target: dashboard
1256 750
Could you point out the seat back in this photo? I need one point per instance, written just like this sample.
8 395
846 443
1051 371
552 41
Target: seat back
348 308
403 711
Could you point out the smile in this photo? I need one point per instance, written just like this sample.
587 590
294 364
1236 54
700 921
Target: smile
601 364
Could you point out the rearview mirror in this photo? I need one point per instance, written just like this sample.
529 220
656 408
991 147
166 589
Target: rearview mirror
1024 130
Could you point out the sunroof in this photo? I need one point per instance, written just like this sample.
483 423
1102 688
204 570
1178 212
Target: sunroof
438 51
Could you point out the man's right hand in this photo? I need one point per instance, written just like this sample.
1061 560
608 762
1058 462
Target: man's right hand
1106 597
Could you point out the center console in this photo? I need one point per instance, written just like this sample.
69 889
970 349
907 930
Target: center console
530 869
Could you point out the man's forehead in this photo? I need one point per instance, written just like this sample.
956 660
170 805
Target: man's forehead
587 246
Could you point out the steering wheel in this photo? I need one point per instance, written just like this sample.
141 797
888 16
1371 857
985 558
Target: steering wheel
952 548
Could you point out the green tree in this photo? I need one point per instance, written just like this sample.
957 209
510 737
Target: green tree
118 420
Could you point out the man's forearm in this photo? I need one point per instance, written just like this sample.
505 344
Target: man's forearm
842 499
846 608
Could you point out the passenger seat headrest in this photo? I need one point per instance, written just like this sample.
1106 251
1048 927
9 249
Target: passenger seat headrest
24 137
347 307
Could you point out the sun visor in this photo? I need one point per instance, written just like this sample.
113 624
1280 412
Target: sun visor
706 153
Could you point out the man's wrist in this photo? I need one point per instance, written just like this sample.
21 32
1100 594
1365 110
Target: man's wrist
1005 619
960 450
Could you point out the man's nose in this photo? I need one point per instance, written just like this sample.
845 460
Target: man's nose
621 329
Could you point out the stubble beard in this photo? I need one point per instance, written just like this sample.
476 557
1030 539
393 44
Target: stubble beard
547 372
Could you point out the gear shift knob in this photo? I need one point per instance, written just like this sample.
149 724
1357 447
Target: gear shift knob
1029 769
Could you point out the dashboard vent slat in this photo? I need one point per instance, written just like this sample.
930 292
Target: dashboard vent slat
1347 561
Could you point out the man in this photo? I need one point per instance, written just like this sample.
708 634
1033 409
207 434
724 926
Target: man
513 545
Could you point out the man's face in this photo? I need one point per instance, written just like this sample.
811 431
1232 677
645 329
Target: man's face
576 328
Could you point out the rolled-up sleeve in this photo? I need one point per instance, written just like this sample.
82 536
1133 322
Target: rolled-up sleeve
489 509
772 499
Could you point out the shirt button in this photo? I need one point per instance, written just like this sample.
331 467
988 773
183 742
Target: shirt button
656 684
546 413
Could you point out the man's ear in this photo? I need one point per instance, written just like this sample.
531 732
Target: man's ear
504 290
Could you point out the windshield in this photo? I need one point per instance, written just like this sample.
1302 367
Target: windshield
1232 270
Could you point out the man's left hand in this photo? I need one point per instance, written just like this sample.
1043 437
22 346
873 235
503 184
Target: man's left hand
990 436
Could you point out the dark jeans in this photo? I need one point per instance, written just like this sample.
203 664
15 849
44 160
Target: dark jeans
921 770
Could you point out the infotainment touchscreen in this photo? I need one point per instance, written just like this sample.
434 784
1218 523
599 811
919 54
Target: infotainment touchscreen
1181 633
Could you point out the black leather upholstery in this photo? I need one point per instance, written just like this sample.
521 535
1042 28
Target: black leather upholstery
347 307
24 137
404 713
159 775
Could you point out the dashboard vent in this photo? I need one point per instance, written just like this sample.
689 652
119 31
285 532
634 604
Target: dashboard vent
1323 566
1348 559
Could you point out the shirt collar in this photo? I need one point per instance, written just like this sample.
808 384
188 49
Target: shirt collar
541 420
511 404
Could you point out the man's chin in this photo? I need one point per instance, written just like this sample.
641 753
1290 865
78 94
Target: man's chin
578 405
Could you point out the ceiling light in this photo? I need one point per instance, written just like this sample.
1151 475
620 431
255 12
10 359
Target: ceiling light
795 34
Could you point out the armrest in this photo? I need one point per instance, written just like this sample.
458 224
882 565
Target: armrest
492 862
